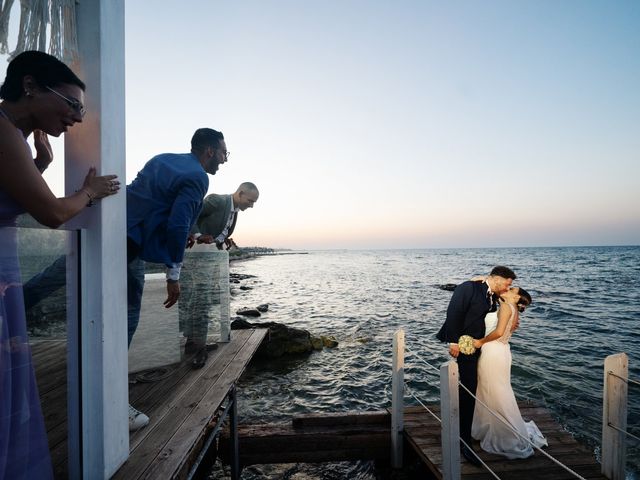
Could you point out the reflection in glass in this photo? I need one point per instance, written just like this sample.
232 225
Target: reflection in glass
166 336
33 348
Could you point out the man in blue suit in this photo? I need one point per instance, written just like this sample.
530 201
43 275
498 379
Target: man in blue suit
163 203
470 302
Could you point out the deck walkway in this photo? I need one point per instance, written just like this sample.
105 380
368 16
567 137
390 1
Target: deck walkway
183 407
50 363
327 436
422 432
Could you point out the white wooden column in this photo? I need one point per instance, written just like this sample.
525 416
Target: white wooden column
614 414
98 350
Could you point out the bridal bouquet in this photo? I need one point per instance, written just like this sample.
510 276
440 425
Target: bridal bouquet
465 342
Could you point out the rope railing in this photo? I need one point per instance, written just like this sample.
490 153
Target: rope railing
497 416
507 424
627 433
554 460
487 467
625 380
431 412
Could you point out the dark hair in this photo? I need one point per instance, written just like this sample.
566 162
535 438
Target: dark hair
525 298
46 70
503 272
205 137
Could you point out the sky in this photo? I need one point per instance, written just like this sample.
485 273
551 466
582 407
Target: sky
408 124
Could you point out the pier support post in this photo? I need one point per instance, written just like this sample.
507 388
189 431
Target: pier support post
450 413
614 416
233 427
397 399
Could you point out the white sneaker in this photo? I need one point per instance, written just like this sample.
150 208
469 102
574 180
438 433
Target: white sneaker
136 419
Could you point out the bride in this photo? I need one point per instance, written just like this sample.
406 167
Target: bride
494 385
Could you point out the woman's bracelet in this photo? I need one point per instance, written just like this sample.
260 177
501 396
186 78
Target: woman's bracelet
91 203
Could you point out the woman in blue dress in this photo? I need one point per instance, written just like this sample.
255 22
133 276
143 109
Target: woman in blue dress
40 95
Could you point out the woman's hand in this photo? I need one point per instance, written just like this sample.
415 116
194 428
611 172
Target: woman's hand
44 152
100 187
477 343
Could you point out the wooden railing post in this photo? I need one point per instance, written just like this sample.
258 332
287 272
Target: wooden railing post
450 413
397 399
236 471
614 414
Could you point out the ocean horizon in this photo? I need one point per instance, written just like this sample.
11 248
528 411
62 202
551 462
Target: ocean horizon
383 249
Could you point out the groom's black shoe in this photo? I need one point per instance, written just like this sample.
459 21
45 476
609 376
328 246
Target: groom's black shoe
470 455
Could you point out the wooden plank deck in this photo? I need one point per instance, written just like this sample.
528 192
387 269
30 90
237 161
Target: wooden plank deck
50 363
182 406
422 432
182 409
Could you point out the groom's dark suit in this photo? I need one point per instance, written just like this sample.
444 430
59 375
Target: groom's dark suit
465 316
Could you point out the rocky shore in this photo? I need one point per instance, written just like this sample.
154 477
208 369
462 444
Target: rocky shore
283 339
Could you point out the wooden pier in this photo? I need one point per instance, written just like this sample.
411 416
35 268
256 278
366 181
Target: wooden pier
422 435
331 437
50 362
185 407
314 438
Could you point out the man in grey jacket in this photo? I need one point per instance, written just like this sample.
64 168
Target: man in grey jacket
215 224
219 214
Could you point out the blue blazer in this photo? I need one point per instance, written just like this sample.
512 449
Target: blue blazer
465 314
163 203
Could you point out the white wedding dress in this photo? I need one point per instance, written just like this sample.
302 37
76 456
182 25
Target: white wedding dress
494 390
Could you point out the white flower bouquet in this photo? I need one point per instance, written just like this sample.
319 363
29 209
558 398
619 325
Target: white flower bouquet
465 342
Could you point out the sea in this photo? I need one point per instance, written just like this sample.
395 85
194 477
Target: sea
586 306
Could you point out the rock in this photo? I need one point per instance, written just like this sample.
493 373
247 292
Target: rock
239 323
329 342
240 276
263 307
317 342
245 287
449 287
282 339
248 312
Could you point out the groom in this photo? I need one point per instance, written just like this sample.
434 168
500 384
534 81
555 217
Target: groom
470 302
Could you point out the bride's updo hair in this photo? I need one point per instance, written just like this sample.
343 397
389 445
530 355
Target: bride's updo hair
525 298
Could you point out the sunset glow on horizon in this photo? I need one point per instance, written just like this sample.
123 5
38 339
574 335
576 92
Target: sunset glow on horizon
400 125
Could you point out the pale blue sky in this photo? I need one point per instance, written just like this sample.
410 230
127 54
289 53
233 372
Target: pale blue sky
401 124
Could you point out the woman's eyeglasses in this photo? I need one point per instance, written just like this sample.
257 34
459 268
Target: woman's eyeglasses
73 103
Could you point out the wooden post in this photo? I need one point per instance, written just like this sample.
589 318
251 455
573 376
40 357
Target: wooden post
397 399
450 413
233 433
614 414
